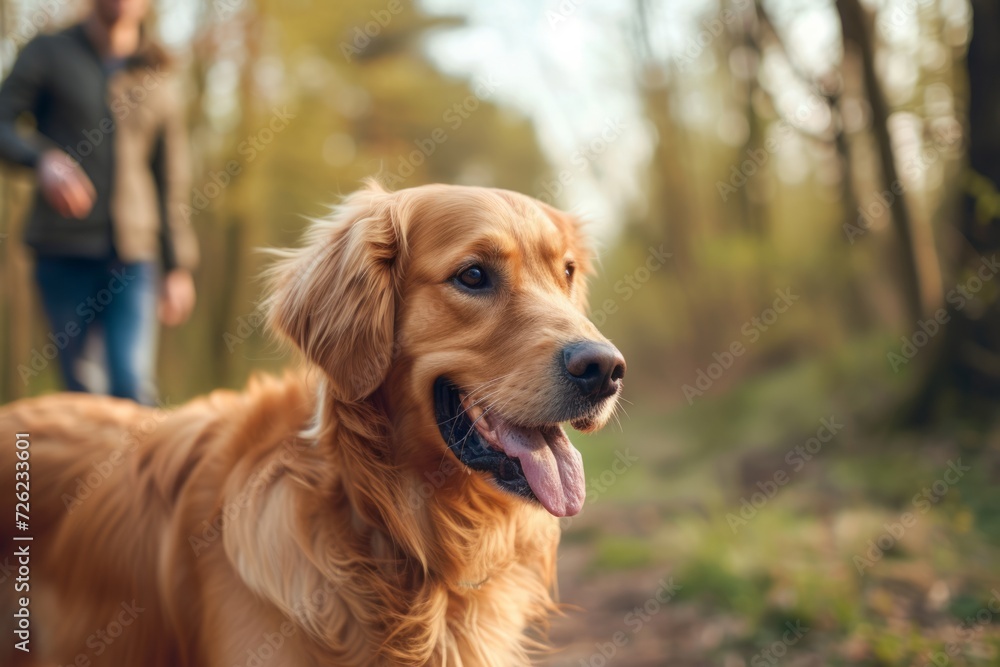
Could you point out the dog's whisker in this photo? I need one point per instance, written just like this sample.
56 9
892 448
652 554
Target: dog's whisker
618 421
489 382
455 419
614 415
484 413
474 404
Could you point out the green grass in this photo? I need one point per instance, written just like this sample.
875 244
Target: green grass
795 558
623 554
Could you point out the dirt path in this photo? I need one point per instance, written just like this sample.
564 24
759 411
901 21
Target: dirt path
621 621
626 606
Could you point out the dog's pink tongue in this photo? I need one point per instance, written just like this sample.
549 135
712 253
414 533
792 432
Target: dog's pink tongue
552 465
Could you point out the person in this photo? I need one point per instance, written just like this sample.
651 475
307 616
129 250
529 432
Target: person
105 137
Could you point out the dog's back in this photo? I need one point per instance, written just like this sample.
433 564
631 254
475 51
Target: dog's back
110 522
95 518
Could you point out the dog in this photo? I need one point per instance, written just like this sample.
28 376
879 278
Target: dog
395 502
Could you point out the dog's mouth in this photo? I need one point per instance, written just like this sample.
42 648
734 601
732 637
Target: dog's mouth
538 463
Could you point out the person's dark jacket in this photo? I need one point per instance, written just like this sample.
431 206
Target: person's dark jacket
126 129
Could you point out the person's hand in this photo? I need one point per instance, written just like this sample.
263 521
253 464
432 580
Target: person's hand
177 299
64 184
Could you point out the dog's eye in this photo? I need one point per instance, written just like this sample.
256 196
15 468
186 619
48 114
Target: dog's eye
474 277
570 270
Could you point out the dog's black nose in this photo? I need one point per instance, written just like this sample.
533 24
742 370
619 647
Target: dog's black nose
596 369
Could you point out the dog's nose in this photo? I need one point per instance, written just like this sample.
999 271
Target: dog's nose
596 369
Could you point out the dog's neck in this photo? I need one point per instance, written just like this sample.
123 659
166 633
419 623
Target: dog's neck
454 531
429 566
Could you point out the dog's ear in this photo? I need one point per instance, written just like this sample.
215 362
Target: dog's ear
335 297
579 243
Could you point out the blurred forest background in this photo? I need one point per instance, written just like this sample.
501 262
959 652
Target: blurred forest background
795 208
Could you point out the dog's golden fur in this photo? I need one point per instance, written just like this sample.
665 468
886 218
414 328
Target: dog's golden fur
318 519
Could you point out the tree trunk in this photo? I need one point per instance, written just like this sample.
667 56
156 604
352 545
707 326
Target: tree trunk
917 285
965 375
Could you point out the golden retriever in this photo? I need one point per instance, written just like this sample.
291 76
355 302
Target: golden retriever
398 507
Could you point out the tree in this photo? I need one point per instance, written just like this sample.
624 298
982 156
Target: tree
965 375
920 279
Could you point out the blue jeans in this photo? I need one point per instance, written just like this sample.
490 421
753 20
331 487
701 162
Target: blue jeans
82 295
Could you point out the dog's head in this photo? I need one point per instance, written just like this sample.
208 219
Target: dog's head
465 309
